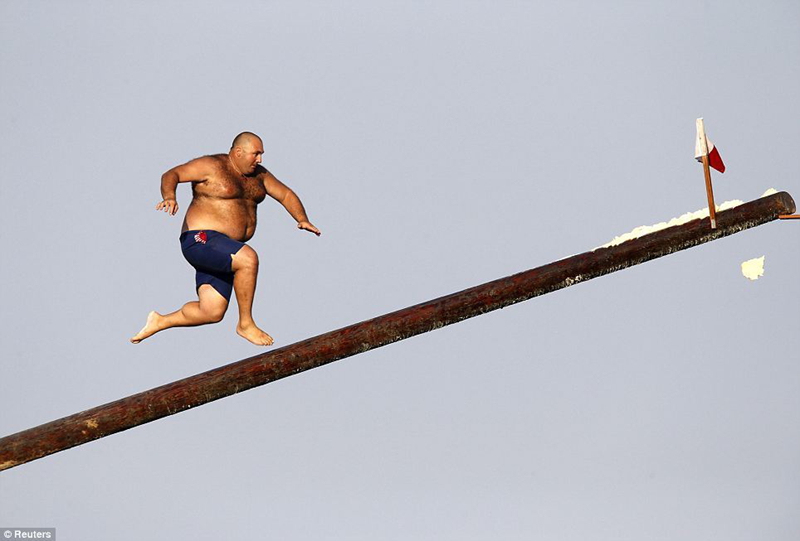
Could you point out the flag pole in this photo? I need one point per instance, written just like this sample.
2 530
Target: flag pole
712 210
702 150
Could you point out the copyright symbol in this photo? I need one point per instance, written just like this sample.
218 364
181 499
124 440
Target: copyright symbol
7 534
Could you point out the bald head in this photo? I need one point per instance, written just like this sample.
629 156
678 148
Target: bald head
245 139
245 153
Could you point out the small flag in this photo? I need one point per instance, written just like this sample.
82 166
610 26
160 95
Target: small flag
704 147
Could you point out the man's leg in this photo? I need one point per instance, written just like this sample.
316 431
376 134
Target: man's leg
245 273
209 308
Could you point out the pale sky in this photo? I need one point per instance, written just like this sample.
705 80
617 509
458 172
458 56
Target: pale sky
438 145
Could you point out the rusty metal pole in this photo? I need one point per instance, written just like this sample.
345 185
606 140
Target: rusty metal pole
202 388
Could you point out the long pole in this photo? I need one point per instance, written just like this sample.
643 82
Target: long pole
233 378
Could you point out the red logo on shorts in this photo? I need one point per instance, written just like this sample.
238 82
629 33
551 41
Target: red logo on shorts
201 237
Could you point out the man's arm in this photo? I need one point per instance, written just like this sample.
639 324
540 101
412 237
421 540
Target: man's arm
284 195
197 170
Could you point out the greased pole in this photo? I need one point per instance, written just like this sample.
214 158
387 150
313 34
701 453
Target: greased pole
240 376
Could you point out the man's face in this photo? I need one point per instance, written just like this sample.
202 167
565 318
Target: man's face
250 156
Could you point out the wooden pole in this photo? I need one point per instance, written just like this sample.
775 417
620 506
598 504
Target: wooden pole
712 209
701 151
233 378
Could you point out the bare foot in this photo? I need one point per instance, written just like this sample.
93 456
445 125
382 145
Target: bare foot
254 335
149 329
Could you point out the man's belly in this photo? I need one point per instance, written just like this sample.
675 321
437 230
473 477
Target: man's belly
229 217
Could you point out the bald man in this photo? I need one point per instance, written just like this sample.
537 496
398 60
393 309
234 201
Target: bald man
226 188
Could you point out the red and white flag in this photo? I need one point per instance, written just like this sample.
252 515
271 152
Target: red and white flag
704 147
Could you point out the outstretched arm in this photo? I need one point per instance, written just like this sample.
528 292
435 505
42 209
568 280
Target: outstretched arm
284 195
196 170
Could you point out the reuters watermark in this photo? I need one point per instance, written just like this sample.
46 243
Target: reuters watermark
28 533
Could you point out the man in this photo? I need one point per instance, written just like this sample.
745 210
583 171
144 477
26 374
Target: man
226 188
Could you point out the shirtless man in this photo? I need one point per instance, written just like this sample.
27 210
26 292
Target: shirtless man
222 216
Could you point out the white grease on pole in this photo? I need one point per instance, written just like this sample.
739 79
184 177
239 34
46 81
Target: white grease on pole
643 230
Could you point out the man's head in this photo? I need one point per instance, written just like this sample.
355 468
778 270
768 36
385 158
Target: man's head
246 151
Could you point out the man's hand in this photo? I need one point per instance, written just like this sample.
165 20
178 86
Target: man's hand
170 206
308 226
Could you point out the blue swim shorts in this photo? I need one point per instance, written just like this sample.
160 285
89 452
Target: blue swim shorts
209 252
